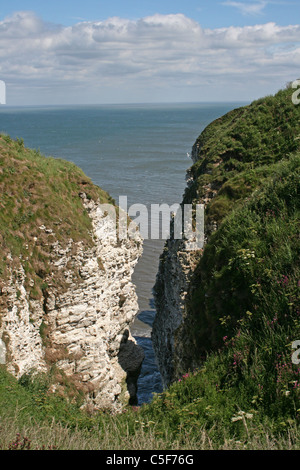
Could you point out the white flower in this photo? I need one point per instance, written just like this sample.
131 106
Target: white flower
236 418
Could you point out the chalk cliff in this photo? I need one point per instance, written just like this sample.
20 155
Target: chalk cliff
79 320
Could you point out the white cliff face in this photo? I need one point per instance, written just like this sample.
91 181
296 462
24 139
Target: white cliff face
19 328
170 291
84 327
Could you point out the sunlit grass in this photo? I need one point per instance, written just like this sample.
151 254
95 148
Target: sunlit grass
242 313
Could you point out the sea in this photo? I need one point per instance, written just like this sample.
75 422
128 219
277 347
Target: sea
141 151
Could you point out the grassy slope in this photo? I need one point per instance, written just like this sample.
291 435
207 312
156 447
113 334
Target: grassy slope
256 209
245 394
243 308
37 191
235 153
244 315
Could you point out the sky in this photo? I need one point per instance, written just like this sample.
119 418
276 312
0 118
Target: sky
144 51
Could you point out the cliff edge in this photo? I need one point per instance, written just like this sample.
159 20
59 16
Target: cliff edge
246 173
66 296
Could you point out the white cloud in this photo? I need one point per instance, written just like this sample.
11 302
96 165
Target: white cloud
153 57
248 8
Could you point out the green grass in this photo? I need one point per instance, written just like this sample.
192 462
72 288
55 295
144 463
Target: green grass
242 311
196 413
38 191
248 258
250 159
236 152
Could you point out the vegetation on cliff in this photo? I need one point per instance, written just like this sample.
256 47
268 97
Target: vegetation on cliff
250 265
243 317
242 311
39 192
236 153
66 295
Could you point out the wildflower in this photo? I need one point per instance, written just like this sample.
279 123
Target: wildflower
236 418
242 415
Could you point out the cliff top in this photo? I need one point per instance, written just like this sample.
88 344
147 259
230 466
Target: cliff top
40 204
236 152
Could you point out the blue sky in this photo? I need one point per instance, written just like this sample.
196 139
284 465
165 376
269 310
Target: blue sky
119 51
209 13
